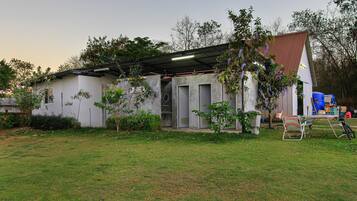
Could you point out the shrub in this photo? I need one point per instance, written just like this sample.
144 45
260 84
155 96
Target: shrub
220 116
53 122
12 120
138 121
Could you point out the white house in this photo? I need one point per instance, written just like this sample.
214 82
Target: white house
58 93
293 52
182 82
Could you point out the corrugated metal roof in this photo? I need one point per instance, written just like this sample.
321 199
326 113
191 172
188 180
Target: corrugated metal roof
288 50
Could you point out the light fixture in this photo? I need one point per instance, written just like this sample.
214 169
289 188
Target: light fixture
101 69
183 57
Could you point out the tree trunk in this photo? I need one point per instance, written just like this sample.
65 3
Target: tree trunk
270 120
117 123
243 110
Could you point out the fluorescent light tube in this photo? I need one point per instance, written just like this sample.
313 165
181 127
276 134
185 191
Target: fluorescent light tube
183 57
101 69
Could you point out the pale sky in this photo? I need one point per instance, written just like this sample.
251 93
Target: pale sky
48 32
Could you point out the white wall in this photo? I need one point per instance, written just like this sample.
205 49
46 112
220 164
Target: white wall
67 86
89 116
217 94
305 75
288 101
152 104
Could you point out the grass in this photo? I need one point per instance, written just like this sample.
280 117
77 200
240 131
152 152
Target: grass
95 164
351 122
320 123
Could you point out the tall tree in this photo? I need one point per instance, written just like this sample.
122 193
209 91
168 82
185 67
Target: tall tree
26 72
209 33
271 83
333 33
7 74
243 53
189 34
104 51
40 73
142 47
23 71
184 37
73 62
277 27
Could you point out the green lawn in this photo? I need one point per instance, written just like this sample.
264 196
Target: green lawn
102 165
351 122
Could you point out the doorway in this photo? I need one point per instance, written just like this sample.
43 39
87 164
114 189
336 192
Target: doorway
166 103
205 101
300 96
183 107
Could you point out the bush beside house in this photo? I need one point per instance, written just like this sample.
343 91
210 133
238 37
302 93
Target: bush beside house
12 120
53 122
138 121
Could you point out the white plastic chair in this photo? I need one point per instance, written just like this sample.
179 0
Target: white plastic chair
293 125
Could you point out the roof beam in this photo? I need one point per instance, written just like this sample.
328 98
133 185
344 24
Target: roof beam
203 63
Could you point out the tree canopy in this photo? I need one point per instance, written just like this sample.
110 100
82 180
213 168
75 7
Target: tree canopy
26 72
102 50
7 74
189 34
333 33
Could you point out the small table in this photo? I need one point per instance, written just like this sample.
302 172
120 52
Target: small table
328 118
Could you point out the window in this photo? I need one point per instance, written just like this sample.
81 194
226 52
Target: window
48 95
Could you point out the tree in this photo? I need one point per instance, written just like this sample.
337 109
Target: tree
27 101
140 90
220 115
243 53
79 96
189 34
101 51
26 73
333 35
139 48
23 71
7 74
114 101
44 75
184 37
72 63
277 27
209 33
271 83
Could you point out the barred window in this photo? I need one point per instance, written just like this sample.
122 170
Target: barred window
48 95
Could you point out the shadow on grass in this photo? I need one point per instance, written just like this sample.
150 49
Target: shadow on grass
141 135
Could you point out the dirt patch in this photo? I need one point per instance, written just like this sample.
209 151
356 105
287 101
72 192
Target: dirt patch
3 133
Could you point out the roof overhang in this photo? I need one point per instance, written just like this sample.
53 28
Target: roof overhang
172 64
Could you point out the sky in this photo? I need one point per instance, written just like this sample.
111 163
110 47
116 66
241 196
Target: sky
48 32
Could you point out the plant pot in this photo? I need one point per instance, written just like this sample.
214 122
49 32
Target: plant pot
255 123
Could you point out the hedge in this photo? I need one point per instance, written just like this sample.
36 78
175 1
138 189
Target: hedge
139 121
53 122
13 120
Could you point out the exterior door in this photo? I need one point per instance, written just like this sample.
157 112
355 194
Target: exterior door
183 107
205 101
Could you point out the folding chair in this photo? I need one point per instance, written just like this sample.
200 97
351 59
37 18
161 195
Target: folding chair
294 128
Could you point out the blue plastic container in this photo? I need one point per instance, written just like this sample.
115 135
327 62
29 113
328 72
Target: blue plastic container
319 101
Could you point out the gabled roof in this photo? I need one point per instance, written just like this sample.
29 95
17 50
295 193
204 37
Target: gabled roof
288 49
